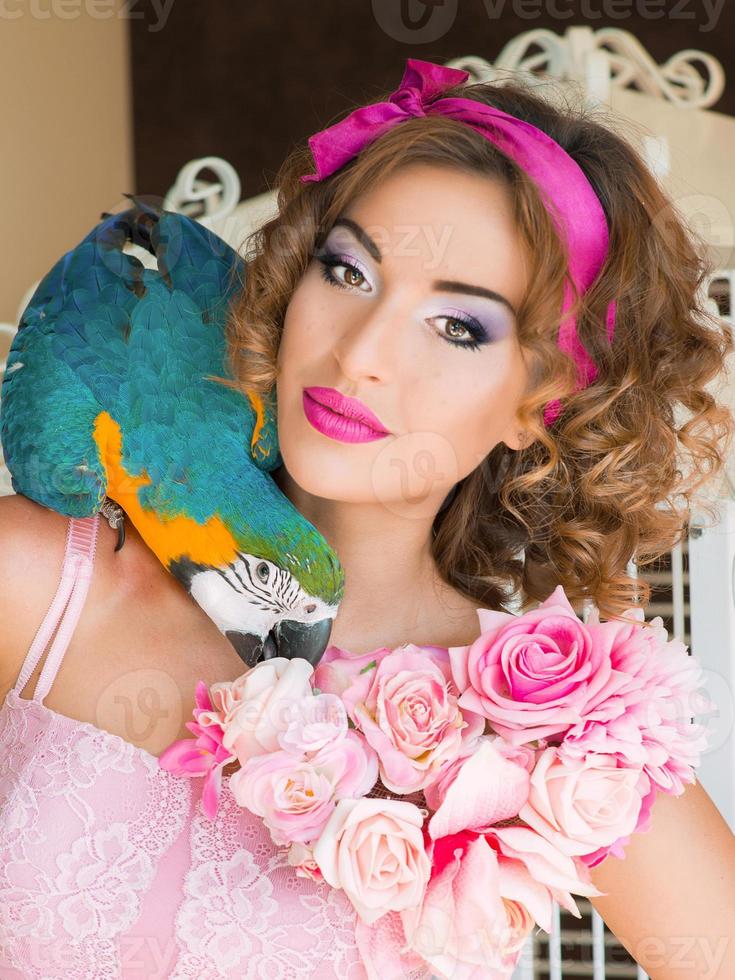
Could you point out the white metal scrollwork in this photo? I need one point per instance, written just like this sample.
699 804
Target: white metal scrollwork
608 57
189 192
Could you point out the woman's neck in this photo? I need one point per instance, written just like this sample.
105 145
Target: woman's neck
441 617
394 593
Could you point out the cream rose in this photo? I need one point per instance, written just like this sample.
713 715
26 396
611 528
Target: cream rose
374 850
258 706
580 805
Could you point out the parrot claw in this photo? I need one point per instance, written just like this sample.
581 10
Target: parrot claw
115 516
120 535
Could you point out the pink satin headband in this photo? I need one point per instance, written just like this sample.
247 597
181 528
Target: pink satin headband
567 193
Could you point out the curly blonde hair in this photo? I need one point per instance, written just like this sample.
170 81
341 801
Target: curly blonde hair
616 476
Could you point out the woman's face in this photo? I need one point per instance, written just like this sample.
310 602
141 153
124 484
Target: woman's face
376 318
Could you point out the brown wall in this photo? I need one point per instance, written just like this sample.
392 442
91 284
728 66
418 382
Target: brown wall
66 146
247 80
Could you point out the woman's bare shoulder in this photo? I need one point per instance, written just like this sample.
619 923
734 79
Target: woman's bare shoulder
32 542
27 529
31 548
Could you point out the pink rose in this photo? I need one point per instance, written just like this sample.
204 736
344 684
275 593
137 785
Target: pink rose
301 859
523 755
477 792
465 928
532 675
580 805
617 848
295 795
259 704
315 721
406 706
374 850
226 696
339 669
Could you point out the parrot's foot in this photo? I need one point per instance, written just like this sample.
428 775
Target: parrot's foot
115 518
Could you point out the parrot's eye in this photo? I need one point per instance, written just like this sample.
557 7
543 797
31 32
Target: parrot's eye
261 571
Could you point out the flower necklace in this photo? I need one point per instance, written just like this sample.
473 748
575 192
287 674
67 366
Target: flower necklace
409 777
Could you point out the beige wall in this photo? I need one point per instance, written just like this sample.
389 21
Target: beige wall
67 147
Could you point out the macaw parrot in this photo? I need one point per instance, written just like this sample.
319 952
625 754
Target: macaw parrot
107 396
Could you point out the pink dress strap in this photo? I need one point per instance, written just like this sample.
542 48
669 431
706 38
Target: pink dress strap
76 574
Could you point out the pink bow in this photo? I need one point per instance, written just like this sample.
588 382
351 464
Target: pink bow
422 81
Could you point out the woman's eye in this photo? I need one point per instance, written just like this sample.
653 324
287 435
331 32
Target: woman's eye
334 262
457 326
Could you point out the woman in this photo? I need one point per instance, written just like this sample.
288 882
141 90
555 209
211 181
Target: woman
459 494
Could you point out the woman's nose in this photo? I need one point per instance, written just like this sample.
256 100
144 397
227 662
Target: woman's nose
371 346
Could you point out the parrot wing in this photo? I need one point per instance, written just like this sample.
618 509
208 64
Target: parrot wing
83 316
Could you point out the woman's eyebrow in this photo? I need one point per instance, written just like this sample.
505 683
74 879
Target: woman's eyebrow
445 285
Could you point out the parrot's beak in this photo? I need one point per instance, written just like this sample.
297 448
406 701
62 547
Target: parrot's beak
305 640
251 648
287 639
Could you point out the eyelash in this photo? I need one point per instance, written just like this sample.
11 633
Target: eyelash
478 333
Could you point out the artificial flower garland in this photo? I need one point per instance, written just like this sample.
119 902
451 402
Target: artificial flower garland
516 763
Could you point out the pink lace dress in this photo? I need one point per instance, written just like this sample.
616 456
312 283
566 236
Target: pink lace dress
109 867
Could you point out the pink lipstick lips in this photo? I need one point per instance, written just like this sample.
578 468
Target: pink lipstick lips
342 418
